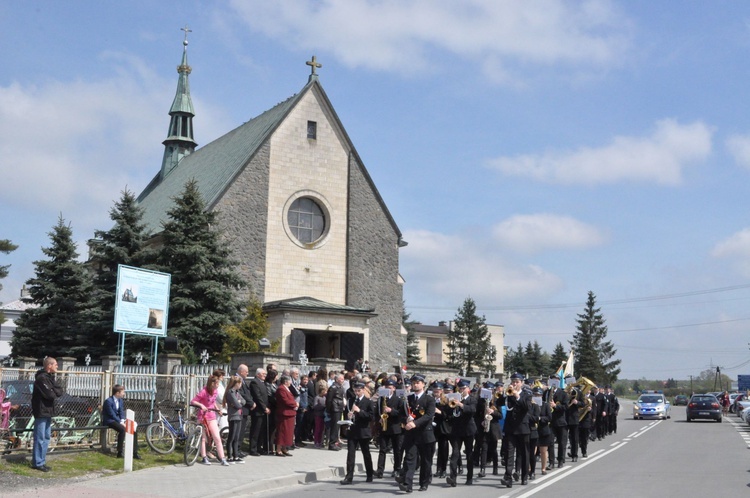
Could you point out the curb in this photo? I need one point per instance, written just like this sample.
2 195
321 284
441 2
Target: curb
280 482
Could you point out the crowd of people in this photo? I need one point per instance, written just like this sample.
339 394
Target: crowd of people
443 429
440 429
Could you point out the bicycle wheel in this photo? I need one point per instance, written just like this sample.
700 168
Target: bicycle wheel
224 434
159 438
193 446
189 427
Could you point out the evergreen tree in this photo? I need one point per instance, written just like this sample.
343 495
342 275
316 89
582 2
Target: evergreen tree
593 354
244 336
558 357
202 299
537 365
413 358
516 360
6 247
456 347
123 244
476 338
62 289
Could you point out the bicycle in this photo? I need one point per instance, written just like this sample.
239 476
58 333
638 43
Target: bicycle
193 443
162 436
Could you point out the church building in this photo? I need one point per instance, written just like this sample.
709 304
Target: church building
313 236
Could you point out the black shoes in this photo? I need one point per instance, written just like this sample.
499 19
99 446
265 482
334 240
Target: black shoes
481 473
404 488
574 459
560 465
399 479
423 488
469 482
254 453
43 468
344 482
515 476
451 481
524 482
369 479
507 482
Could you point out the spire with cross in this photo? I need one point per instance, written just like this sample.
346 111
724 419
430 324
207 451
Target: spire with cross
313 64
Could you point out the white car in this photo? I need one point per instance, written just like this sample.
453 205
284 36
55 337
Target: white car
652 405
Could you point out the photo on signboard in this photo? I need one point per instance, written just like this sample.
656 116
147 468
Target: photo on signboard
155 318
130 294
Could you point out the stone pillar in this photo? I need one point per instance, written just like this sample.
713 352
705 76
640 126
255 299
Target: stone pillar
65 363
109 362
26 363
167 361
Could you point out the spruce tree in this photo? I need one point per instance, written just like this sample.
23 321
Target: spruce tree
202 297
123 244
6 247
62 290
476 337
413 358
593 354
455 348
558 357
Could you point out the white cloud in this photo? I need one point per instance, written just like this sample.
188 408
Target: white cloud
397 36
448 268
540 232
739 147
73 146
735 248
659 158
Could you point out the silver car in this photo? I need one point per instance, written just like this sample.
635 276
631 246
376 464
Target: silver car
652 405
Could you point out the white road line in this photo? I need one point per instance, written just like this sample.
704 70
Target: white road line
592 458
633 434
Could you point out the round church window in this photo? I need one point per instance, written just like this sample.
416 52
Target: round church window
306 220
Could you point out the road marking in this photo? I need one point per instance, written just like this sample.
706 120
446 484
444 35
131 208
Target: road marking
591 459
633 434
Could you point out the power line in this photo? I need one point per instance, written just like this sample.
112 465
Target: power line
658 297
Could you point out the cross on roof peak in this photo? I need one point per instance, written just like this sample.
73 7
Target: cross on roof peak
314 64
186 30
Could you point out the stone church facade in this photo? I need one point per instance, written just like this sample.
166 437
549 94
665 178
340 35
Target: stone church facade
313 236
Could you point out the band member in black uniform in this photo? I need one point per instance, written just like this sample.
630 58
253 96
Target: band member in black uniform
586 415
419 437
361 413
392 407
534 415
543 428
614 408
463 430
517 430
488 430
602 410
442 428
559 404
572 415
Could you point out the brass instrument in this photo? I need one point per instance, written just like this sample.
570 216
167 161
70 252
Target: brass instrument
496 395
509 391
586 386
383 415
452 403
487 416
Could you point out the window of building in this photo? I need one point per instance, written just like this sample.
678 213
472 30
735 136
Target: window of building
312 130
306 220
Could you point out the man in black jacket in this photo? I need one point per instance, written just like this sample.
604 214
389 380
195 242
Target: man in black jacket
602 412
419 439
559 404
442 427
46 391
259 422
572 415
517 430
463 430
392 407
360 413
335 408
249 405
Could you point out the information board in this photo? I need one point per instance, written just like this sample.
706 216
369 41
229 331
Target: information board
142 301
743 382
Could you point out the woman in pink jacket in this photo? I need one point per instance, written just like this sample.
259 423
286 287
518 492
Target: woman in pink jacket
205 401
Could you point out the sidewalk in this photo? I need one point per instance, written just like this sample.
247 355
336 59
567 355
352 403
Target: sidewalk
258 474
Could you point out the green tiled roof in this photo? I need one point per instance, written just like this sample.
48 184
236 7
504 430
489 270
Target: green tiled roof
310 304
213 166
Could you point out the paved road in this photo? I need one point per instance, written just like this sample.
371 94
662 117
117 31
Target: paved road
644 459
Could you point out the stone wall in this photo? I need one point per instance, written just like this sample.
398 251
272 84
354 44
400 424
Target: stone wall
373 268
243 217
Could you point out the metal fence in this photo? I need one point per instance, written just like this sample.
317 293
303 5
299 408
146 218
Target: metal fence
77 420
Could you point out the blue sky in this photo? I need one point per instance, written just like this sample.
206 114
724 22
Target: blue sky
529 151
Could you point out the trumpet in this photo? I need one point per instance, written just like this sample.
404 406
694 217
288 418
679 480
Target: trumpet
509 391
452 403
384 416
497 394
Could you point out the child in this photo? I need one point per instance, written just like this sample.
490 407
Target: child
319 409
234 403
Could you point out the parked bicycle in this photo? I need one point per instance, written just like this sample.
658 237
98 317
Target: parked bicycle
163 435
193 443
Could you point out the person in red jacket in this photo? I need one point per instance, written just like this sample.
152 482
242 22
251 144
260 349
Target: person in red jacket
286 413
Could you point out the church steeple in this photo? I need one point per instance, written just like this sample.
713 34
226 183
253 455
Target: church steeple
180 142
